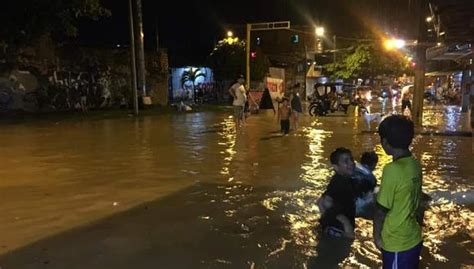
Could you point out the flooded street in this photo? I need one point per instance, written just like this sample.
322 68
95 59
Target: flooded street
188 191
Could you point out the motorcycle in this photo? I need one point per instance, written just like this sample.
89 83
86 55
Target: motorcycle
319 107
341 103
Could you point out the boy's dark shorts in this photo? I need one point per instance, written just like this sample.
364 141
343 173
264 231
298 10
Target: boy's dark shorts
409 259
285 126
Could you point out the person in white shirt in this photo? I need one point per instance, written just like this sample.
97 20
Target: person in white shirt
237 91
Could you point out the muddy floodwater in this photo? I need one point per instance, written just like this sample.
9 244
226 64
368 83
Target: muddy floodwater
188 191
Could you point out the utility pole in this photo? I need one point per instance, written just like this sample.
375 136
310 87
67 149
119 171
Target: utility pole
334 48
305 69
139 37
157 33
417 112
247 58
133 66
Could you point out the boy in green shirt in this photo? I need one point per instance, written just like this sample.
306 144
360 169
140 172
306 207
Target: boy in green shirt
396 230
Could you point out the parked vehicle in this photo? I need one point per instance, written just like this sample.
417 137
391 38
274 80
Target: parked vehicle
330 97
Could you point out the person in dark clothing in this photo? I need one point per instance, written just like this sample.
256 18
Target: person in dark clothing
266 102
296 106
337 204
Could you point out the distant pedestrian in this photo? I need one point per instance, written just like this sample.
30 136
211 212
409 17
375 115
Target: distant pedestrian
284 114
105 94
237 91
296 106
406 99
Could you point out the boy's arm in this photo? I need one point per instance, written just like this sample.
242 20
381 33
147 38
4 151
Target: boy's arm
348 229
232 92
324 203
379 217
245 95
385 199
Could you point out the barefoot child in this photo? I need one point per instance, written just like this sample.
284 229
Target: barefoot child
284 113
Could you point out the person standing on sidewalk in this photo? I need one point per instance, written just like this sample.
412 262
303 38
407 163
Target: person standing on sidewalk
237 91
396 229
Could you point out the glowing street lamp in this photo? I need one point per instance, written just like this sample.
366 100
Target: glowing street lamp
319 31
391 44
230 39
429 19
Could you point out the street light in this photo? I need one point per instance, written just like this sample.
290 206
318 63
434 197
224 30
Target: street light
230 39
319 31
391 44
429 19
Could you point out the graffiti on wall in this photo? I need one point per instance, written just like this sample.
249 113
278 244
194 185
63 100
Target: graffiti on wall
58 90
77 78
192 84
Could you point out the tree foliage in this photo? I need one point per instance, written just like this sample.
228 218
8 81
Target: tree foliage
228 61
24 21
189 77
368 61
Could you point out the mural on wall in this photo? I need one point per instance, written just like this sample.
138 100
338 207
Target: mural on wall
69 78
191 84
57 90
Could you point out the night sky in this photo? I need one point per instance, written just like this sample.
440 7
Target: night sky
190 28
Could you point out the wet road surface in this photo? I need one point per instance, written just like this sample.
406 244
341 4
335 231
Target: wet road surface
188 191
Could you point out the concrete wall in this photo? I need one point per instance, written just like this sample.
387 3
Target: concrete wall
45 77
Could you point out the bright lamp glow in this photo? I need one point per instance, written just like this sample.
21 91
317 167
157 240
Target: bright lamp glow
429 19
230 34
319 31
391 44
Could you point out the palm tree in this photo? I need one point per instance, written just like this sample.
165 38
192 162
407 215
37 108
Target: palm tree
189 77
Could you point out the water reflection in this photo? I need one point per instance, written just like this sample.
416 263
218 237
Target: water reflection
227 143
263 195
444 218
447 117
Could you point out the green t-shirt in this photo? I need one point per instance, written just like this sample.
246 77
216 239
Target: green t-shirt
400 193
